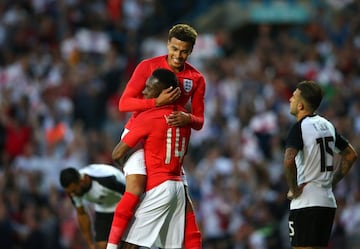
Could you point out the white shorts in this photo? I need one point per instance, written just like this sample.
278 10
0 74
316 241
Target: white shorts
135 164
159 221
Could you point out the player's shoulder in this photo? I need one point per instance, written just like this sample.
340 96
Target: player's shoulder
154 113
192 68
192 72
99 170
324 119
315 118
154 62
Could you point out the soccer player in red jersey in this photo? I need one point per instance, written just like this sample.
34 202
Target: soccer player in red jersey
159 218
181 40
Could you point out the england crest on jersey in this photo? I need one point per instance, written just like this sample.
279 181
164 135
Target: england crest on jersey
188 85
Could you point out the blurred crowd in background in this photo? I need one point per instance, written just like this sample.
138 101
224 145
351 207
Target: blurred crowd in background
64 64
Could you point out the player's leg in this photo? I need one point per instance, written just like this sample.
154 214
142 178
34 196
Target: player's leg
172 230
310 228
102 228
126 245
192 239
159 219
101 244
135 174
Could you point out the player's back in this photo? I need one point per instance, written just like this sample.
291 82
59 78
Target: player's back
316 158
314 162
165 146
106 189
102 170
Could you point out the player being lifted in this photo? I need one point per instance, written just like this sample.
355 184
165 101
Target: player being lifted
181 41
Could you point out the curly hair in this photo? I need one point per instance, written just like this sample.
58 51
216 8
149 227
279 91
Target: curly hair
183 32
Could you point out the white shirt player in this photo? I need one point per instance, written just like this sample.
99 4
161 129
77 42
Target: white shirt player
316 140
107 187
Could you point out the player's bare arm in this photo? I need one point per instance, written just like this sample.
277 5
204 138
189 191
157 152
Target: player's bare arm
119 152
348 157
291 173
85 226
167 96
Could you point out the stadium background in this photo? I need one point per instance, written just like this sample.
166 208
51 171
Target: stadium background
64 64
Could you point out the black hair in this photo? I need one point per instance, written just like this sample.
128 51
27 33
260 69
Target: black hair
68 176
311 92
166 77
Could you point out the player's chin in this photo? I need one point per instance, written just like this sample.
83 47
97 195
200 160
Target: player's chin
177 63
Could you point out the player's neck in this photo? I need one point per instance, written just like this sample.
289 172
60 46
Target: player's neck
303 114
175 69
87 180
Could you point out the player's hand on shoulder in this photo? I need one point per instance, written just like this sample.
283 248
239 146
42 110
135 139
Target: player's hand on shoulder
179 119
168 96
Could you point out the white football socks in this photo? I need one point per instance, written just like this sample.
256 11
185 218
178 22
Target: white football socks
111 246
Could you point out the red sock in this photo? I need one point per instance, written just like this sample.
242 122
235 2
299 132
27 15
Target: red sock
192 238
124 211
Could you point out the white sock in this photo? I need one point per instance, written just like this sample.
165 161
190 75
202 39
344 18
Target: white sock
111 246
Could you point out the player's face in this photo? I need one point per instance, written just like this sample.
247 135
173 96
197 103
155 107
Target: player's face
75 189
152 88
294 102
178 52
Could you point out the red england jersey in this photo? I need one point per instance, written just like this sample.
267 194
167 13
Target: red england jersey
192 85
164 146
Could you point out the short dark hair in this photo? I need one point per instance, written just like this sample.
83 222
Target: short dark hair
166 77
68 176
311 92
183 32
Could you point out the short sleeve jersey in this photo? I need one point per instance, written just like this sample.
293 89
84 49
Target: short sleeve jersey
164 146
316 140
191 81
107 187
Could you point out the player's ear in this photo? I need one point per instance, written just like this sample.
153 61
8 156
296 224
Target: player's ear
301 105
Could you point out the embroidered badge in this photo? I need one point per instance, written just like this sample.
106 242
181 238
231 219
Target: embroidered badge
188 85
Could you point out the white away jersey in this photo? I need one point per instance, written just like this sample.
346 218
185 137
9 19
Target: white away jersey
316 140
108 186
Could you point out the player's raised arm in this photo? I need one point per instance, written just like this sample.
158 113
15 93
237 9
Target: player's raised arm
132 98
197 106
